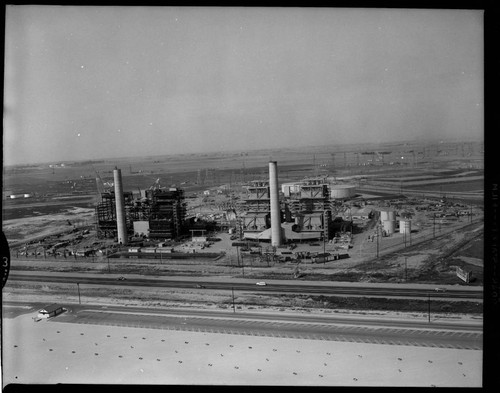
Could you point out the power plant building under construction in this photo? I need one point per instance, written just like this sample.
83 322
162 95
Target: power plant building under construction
294 212
305 210
161 214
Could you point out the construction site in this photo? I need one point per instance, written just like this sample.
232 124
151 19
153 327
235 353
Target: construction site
369 220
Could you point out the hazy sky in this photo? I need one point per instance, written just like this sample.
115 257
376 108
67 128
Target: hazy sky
97 82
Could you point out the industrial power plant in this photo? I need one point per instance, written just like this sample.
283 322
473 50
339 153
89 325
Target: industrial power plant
271 211
245 196
266 214
274 235
294 212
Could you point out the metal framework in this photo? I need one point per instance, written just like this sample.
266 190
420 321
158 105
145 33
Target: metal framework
168 213
164 209
312 207
256 207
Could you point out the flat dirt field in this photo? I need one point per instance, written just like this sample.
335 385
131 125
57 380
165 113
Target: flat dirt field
54 352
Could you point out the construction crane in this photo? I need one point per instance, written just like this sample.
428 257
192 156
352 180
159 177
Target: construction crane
155 185
102 186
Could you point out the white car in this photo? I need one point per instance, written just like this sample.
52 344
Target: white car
440 290
260 283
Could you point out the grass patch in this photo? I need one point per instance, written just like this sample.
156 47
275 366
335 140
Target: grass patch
382 304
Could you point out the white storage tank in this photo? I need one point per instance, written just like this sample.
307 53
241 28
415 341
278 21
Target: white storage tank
389 226
342 191
387 215
405 226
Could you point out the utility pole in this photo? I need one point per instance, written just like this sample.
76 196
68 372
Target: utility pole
79 300
429 306
238 257
324 237
406 271
377 240
434 226
232 291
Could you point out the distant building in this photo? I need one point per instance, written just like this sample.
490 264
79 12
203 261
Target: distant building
84 253
50 311
361 214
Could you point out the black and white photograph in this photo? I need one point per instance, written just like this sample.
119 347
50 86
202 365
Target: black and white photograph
243 196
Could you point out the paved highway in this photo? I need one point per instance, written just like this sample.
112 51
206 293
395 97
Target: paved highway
392 291
443 334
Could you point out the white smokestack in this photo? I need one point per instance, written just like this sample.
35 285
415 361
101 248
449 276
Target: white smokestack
120 208
275 204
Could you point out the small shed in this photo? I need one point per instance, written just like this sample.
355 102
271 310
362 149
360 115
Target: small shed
50 311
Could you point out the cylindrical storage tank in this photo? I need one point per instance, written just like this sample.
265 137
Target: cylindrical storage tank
275 204
389 226
342 191
387 215
120 208
404 226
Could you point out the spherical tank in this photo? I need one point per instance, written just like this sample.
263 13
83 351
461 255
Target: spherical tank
342 191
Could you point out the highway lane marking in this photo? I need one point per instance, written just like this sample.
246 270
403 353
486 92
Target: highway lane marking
232 318
247 321
279 323
330 337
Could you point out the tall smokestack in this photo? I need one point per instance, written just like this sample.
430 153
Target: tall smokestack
120 208
275 204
